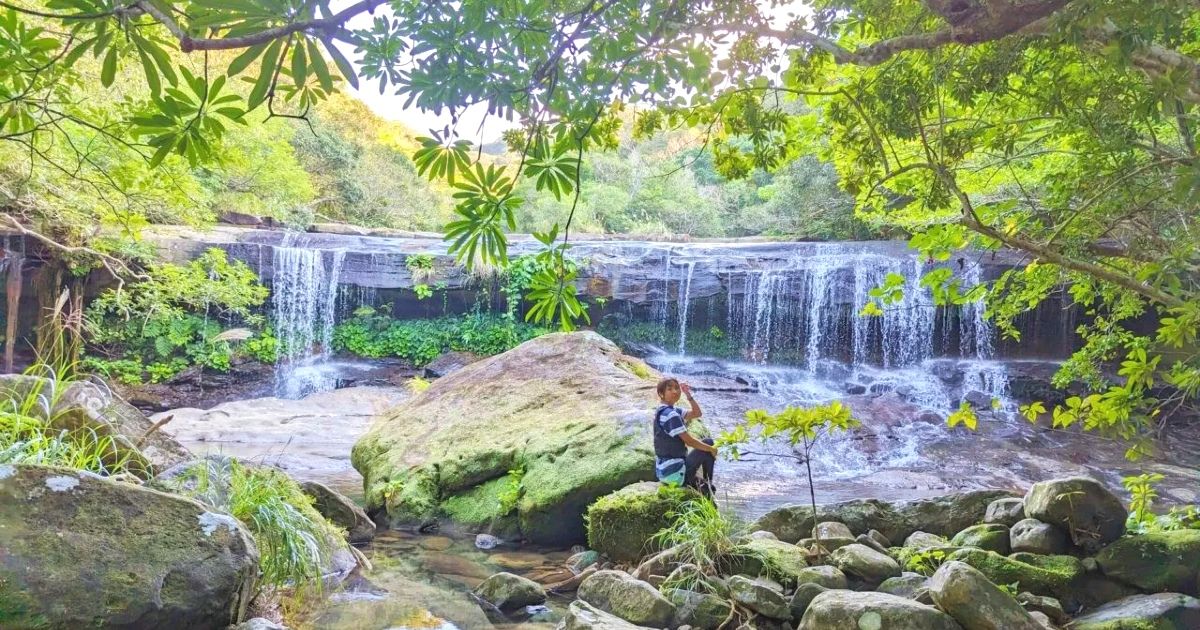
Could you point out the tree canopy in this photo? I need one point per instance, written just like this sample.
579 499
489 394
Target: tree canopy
1064 129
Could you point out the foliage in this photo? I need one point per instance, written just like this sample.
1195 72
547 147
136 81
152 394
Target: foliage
174 318
801 427
420 341
1141 517
1065 130
416 385
709 342
511 494
704 534
923 561
28 434
294 541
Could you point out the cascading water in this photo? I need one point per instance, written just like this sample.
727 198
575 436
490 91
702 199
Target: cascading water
304 301
683 313
804 311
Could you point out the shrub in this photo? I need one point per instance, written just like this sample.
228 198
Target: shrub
420 341
705 534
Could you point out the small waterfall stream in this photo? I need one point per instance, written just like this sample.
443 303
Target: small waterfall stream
304 303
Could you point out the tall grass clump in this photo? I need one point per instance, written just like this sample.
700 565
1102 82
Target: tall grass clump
29 414
295 542
702 534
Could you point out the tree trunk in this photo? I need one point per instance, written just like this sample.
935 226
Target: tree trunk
13 291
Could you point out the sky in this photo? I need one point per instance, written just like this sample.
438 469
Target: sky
391 107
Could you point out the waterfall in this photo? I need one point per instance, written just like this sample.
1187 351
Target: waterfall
662 311
304 301
683 312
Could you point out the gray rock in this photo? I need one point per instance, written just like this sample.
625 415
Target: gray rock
486 541
507 591
832 529
661 563
760 597
450 362
1048 606
698 610
924 540
852 610
761 535
341 511
1042 620
689 577
944 516
81 551
582 560
965 594
1005 511
803 596
1033 536
1091 514
632 600
1162 611
909 586
989 536
583 616
879 538
864 563
828 576
864 539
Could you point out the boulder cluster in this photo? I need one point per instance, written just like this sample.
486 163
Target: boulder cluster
984 560
78 549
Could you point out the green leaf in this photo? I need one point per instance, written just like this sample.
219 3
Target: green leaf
318 65
299 63
242 61
266 74
152 80
108 72
343 64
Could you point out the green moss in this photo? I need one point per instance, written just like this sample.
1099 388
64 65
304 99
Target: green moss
478 506
1156 561
990 537
778 560
638 368
621 525
1040 575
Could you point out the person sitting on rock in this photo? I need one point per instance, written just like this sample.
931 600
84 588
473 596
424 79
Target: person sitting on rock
674 465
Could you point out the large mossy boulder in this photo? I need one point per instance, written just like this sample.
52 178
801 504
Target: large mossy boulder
567 409
989 536
943 516
81 551
864 563
1161 611
853 609
1089 512
507 591
1156 562
622 525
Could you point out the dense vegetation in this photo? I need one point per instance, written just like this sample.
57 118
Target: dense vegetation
419 341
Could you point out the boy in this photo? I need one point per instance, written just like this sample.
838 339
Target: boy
673 463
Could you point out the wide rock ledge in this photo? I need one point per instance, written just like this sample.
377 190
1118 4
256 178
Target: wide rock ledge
568 409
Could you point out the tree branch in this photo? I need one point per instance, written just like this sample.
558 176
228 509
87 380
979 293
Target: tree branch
187 43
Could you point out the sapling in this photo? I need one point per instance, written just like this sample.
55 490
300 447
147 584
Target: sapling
802 427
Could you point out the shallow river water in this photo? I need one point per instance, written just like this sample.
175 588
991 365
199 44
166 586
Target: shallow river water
901 452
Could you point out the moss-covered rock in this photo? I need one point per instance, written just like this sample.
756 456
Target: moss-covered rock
567 410
507 591
990 537
1163 611
632 600
964 593
80 551
775 559
864 563
341 511
698 610
1041 575
760 597
851 609
1156 562
622 525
